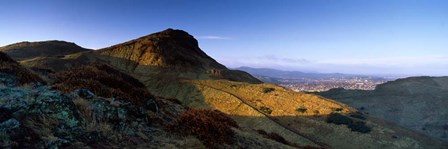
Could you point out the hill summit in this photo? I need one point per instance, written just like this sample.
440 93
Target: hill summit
28 50
168 48
171 52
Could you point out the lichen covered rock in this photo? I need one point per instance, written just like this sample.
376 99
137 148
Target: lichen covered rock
38 117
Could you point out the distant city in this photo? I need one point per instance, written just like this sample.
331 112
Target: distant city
312 85
317 82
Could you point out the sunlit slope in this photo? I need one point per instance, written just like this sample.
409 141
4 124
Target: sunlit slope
247 103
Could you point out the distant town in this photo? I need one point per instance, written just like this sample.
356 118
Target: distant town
324 84
317 82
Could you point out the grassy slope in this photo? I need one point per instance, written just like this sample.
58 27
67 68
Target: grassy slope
243 102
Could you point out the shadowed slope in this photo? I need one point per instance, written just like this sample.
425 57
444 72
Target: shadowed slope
417 103
11 67
28 50
104 81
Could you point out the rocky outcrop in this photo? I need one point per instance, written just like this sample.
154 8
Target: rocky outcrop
39 117
173 53
168 48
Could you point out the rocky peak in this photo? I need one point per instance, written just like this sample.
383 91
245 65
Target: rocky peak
168 48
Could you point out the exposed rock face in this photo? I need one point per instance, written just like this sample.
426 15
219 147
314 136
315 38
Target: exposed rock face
418 103
169 48
174 53
43 118
28 50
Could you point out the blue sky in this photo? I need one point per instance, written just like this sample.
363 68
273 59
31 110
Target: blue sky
348 36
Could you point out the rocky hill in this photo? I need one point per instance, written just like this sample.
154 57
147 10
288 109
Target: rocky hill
201 104
169 48
166 52
417 103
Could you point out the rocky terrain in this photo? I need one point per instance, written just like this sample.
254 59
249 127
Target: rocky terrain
163 91
97 106
417 103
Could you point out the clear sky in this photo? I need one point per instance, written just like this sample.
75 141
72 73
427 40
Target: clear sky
347 36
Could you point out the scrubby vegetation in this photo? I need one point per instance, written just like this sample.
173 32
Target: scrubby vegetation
359 126
273 136
266 110
339 119
268 90
212 127
338 109
104 81
11 67
301 109
358 116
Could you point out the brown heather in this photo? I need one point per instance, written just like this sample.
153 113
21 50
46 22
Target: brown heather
103 81
9 66
212 127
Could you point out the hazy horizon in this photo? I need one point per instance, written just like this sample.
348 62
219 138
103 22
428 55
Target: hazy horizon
348 36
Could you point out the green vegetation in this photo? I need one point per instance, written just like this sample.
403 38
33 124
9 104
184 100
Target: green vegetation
268 90
301 109
358 126
266 110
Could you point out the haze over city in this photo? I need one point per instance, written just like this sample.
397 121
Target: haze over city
348 36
